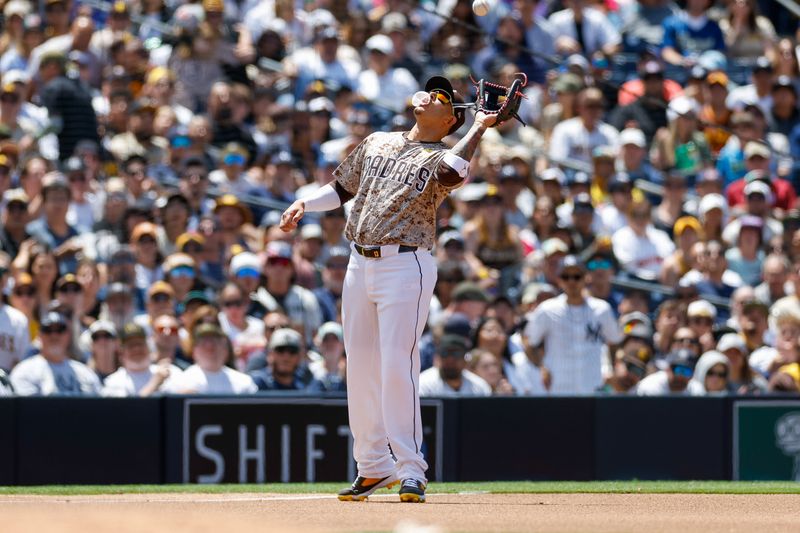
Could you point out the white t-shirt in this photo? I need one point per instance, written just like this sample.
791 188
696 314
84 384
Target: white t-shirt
524 376
15 338
254 329
432 384
574 338
391 90
195 380
656 385
571 140
125 383
36 376
642 256
598 31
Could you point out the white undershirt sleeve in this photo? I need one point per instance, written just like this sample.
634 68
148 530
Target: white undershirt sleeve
459 164
324 199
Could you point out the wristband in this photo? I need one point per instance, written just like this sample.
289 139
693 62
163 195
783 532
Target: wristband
458 164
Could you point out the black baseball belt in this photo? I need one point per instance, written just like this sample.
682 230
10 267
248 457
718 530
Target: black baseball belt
375 251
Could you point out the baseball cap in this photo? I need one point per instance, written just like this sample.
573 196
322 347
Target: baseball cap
142 229
207 330
758 187
784 82
330 328
753 149
712 201
103 326
279 249
451 236
457 324
160 287
53 318
604 152
467 291
757 305
580 178
190 236
651 68
284 337
638 331
383 44
621 182
582 202
245 264
701 308
394 21
12 196
178 260
633 136
311 231
731 341
230 200
717 78
554 245
571 261
452 346
750 221
711 60
687 222
67 279
553 174
119 289
628 321
131 331
195 296
568 83
762 64
681 106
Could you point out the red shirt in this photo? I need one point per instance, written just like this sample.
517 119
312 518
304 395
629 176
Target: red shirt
782 190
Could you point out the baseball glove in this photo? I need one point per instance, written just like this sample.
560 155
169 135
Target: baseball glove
494 99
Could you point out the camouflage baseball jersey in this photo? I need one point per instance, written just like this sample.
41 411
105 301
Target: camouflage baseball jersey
396 193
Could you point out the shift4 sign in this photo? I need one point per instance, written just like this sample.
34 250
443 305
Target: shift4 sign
766 440
258 440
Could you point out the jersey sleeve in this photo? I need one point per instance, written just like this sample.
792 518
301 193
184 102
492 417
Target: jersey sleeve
348 173
670 40
611 329
23 380
536 328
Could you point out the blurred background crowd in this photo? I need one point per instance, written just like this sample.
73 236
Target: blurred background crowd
148 147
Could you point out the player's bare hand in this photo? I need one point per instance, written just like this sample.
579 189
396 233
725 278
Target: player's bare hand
292 216
487 121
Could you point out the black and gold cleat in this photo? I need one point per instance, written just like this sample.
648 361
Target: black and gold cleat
412 491
363 487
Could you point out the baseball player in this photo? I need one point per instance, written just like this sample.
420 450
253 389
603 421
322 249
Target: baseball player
574 328
397 181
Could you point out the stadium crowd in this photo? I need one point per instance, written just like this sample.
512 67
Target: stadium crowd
148 147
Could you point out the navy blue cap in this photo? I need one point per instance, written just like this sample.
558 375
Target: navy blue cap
571 261
53 318
580 178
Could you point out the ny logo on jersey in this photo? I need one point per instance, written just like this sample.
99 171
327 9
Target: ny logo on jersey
593 333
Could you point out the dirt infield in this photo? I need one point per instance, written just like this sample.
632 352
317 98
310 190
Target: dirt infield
219 513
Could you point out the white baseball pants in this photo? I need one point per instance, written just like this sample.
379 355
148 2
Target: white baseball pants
385 306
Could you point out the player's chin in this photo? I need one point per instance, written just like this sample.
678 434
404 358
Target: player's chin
419 110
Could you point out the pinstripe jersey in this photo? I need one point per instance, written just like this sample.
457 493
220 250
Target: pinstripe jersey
574 339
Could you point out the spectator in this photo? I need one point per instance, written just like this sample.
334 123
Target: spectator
674 379
138 375
630 362
576 138
51 372
234 320
581 29
711 375
689 34
331 365
785 318
486 366
681 146
209 375
14 333
329 295
743 379
648 111
639 247
775 273
573 354
166 342
283 372
747 33
449 376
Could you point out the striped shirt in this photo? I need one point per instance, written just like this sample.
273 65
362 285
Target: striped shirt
574 338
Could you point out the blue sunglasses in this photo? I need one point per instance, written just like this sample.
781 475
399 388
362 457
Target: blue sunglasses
182 271
683 371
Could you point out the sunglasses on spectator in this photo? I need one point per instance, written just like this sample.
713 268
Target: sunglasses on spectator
685 295
77 178
16 206
147 239
182 272
686 340
270 329
192 248
9 98
700 320
599 264
640 215
682 371
233 303
167 330
55 329
294 350
234 159
29 292
74 289
102 336
571 277
247 273
721 374
636 370
279 261
160 298
452 353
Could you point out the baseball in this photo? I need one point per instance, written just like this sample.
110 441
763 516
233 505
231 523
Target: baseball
480 7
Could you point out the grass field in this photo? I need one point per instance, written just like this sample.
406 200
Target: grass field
494 487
